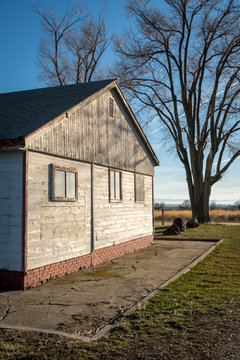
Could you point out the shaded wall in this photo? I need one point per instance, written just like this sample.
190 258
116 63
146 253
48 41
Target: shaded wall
11 176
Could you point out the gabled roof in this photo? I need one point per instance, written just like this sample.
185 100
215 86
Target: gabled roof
23 112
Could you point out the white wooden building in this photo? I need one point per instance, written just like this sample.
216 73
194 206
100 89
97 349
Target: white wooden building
76 181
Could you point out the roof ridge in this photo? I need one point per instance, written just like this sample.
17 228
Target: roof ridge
61 86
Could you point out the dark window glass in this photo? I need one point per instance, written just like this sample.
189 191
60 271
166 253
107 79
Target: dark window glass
115 185
139 187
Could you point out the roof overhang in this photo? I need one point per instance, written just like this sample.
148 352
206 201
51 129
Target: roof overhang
13 144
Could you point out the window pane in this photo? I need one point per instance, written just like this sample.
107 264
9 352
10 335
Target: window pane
117 185
139 187
112 185
59 183
70 185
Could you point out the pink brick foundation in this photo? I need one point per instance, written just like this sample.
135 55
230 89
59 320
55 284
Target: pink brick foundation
38 276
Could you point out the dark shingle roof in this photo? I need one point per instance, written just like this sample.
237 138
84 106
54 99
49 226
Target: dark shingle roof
23 112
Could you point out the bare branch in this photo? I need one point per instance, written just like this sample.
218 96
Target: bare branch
183 65
70 52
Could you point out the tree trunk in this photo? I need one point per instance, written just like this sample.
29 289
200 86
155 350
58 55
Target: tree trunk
200 203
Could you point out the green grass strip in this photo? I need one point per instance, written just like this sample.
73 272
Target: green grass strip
204 290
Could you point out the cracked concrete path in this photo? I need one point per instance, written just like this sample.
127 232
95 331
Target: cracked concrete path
84 302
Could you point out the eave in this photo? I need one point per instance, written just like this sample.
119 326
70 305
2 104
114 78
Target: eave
12 144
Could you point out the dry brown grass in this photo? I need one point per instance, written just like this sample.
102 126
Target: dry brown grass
170 215
224 215
217 215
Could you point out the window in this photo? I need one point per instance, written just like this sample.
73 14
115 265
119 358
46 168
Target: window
115 185
139 187
64 183
111 108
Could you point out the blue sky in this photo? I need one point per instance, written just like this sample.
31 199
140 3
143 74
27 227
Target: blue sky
20 32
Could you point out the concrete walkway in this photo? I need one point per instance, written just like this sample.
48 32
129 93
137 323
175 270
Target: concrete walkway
86 304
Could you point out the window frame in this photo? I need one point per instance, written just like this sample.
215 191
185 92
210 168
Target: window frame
65 170
110 186
135 188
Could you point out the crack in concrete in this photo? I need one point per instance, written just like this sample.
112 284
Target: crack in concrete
7 310
62 311
85 280
114 262
147 290
99 303
58 304
6 314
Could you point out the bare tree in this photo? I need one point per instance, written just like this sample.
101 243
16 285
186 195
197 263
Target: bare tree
182 64
186 204
87 48
213 205
237 204
71 47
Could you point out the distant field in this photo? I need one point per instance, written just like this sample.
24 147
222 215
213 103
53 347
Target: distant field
217 215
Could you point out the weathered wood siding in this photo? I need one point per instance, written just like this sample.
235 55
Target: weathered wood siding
11 175
88 133
116 222
62 230
56 230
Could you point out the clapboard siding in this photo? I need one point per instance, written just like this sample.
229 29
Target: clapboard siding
56 230
11 171
59 231
116 222
88 134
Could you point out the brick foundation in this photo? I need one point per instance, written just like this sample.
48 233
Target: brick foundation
38 276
